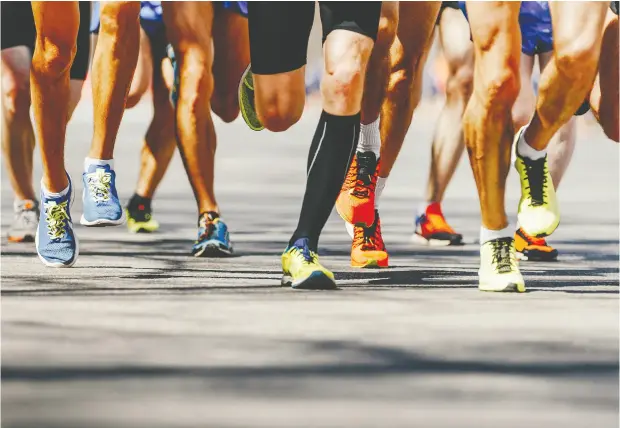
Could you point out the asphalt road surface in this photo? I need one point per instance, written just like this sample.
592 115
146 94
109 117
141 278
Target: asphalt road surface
140 334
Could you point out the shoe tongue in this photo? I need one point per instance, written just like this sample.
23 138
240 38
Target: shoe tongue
207 217
94 167
366 164
304 245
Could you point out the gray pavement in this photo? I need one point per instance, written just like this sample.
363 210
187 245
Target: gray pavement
139 334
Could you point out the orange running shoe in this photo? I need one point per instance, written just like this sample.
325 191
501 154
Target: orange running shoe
432 229
533 249
356 202
368 249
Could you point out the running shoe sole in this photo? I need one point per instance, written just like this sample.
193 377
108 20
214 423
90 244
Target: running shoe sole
420 240
534 256
316 281
103 222
509 288
21 239
248 113
213 249
371 264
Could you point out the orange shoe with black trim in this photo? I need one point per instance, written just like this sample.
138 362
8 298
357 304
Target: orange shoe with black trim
533 249
368 249
431 228
356 201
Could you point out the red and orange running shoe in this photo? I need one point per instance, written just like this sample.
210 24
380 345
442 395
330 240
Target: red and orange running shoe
533 249
356 202
368 249
432 229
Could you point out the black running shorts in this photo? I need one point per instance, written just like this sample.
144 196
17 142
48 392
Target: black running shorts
614 6
18 30
279 30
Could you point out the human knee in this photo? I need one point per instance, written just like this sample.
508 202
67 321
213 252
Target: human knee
610 127
196 79
501 82
16 95
225 109
459 84
278 117
343 81
577 57
116 17
54 57
386 32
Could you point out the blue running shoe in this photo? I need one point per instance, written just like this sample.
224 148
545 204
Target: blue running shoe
101 204
213 239
57 245
174 91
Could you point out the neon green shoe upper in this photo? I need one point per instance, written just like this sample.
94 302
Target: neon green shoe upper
150 225
246 101
539 213
301 269
499 269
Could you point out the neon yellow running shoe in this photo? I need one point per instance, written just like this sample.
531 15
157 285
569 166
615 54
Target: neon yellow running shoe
140 216
539 213
301 268
246 101
499 269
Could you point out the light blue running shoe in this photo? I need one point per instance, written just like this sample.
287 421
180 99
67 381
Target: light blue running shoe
101 204
57 245
213 239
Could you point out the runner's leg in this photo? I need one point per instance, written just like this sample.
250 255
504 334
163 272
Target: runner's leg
448 142
577 37
488 131
413 39
188 26
232 56
605 93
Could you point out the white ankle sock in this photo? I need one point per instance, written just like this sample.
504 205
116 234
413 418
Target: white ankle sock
99 162
49 194
525 150
370 138
489 235
379 190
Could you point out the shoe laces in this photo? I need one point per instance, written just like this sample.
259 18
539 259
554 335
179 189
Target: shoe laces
99 184
56 219
306 255
366 178
369 238
535 173
502 254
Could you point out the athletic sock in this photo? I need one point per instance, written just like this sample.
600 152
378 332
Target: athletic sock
99 162
370 138
525 150
329 159
379 190
137 200
489 235
52 195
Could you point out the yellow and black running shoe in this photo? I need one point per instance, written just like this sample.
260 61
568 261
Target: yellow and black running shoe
246 101
140 215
